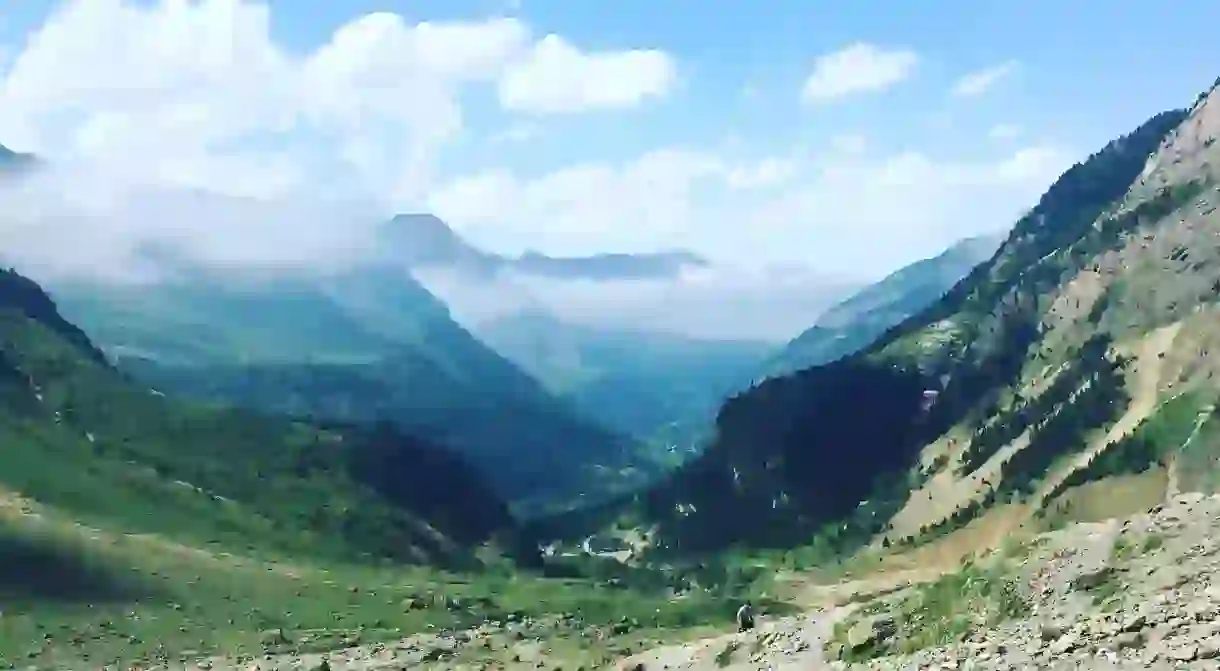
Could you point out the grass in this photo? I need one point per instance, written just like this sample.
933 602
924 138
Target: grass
977 596
90 596
135 527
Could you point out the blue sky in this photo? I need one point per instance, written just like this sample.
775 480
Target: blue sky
706 142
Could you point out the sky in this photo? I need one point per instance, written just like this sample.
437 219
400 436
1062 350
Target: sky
853 137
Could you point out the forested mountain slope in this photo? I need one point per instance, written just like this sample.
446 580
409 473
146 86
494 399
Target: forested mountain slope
854 323
108 452
1053 363
368 344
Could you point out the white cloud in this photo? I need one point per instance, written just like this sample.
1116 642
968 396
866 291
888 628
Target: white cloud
880 212
78 219
611 204
979 82
199 93
727 301
556 78
852 212
855 69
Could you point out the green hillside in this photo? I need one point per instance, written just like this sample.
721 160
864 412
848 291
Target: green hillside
84 439
138 528
370 344
856 322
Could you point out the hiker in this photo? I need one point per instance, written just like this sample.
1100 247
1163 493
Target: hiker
745 617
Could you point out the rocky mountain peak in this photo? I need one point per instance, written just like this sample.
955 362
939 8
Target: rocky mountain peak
1186 154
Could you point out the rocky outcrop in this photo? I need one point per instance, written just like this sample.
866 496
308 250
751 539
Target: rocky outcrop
1138 594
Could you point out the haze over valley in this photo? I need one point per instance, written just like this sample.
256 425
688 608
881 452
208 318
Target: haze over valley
531 335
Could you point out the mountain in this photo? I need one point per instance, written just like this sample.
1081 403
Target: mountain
140 531
12 161
361 345
1076 355
857 321
98 448
418 240
636 382
632 371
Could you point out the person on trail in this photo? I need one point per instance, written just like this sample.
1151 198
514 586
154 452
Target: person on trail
745 617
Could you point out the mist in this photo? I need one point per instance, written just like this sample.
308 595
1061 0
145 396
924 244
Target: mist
75 222
78 222
715 303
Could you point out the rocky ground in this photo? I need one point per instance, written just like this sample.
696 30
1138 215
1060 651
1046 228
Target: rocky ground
1135 594
519 643
1141 593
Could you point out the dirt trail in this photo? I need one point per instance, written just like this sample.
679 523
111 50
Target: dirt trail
789 643
1145 394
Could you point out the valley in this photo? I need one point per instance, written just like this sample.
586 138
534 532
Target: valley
438 449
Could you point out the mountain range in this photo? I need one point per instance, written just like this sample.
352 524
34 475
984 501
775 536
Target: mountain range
422 240
185 455
86 441
368 344
1077 354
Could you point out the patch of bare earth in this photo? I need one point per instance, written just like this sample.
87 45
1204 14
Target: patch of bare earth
1144 383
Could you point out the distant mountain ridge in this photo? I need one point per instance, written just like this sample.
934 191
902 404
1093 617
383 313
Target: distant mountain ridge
643 383
11 160
424 239
855 322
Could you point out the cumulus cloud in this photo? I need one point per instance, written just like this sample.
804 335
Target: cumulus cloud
611 204
881 212
855 69
186 126
556 78
852 212
199 93
981 81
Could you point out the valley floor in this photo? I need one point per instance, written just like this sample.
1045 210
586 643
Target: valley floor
1141 592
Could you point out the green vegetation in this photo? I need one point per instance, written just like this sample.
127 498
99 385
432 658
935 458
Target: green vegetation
371 344
854 323
960 517
72 596
1007 425
1159 436
795 454
81 438
1092 408
136 527
941 612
